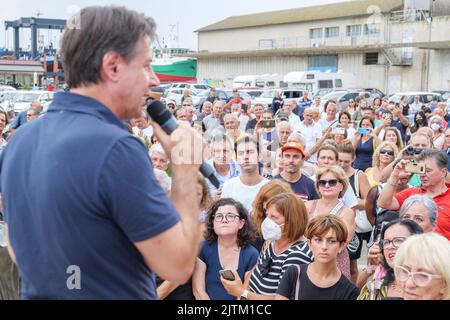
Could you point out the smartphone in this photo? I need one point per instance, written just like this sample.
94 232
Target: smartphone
268 123
227 274
363 131
337 130
415 167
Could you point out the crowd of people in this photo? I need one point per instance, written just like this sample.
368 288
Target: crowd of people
353 188
304 188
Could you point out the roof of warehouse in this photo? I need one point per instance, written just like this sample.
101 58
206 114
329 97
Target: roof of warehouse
322 12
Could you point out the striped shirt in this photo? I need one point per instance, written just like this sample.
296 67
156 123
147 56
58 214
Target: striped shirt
267 284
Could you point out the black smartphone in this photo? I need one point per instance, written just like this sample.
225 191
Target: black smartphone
227 274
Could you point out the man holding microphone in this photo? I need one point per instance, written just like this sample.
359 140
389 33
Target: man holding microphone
85 216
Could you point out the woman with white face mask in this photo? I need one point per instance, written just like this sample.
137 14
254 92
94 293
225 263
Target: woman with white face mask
437 125
283 229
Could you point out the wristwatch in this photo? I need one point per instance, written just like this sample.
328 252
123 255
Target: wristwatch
244 295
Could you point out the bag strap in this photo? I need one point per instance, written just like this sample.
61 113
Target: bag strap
357 183
297 283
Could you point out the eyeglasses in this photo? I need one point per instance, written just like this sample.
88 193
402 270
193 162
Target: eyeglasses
229 217
421 279
331 183
387 152
396 242
265 266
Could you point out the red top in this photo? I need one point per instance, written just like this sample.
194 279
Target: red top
443 206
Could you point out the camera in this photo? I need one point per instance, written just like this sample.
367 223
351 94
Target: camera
415 167
414 151
268 123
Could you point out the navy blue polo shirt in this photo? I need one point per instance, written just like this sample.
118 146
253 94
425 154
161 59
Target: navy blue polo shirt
78 191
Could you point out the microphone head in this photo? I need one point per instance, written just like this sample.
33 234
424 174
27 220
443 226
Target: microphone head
158 111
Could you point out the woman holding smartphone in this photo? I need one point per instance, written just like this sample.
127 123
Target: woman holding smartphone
365 143
229 234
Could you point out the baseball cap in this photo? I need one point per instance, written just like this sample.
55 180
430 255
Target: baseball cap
293 145
172 102
283 116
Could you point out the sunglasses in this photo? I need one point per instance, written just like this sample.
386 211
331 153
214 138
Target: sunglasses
387 152
331 183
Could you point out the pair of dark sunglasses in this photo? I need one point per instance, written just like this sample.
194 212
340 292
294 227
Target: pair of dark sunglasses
331 183
388 152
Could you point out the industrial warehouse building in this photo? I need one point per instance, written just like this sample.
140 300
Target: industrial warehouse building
395 45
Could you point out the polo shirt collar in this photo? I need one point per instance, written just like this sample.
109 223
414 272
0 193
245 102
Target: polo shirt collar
72 102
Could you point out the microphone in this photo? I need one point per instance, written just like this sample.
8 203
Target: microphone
162 116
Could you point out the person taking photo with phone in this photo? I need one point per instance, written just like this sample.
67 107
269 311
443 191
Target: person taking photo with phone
229 234
435 164
365 143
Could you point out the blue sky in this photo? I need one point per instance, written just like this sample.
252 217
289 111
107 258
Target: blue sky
184 16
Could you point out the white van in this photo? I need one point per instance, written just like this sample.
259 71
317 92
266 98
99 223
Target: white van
257 81
313 81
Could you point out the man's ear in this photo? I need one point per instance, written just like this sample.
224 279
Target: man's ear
111 64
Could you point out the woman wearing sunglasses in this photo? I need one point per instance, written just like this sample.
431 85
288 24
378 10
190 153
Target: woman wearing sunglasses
331 184
283 229
422 267
381 256
321 279
229 233
383 156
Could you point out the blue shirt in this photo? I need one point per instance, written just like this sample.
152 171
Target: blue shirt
304 188
79 190
21 119
209 254
302 105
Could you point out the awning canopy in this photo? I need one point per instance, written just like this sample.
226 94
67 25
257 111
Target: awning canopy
19 68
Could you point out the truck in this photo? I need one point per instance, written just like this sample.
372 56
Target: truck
315 81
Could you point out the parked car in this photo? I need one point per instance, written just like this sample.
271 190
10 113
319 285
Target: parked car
344 96
7 88
425 97
286 93
225 95
22 99
197 87
177 93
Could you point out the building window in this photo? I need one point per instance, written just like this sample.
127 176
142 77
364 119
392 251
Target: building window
332 32
325 84
315 33
338 83
266 44
323 63
354 30
373 28
371 58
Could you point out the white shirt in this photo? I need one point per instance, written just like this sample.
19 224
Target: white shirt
349 199
235 189
324 124
311 133
294 120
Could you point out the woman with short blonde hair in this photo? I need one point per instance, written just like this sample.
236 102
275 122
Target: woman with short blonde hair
331 184
422 267
383 156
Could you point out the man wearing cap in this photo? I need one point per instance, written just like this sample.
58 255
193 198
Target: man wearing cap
292 154
171 105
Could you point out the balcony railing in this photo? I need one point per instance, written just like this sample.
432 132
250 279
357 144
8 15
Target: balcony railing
307 42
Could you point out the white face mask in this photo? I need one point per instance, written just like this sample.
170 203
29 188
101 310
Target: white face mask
270 230
435 126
